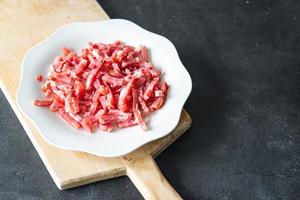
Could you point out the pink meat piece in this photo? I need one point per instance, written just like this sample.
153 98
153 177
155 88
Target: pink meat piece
125 96
110 98
106 127
81 66
157 103
103 102
113 116
136 111
150 88
91 77
96 96
112 80
61 112
128 123
144 54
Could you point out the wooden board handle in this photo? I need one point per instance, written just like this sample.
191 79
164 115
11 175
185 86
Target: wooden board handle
147 177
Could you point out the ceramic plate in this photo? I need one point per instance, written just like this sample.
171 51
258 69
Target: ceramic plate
121 141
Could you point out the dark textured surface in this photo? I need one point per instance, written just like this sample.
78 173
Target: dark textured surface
244 59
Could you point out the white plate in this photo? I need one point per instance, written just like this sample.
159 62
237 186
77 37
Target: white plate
121 141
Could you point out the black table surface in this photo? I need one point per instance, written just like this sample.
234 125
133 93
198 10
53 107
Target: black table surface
243 57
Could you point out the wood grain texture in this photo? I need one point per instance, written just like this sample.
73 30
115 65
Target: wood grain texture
25 23
146 176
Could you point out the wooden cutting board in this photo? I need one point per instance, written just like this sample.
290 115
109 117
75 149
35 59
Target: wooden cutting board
25 23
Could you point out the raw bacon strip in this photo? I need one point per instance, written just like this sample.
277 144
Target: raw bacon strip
144 54
66 51
155 72
58 92
97 84
69 56
94 120
48 94
135 110
158 93
125 97
85 74
85 103
142 101
93 107
39 77
79 89
91 77
113 81
164 88
81 66
61 112
113 116
116 67
143 104
125 124
150 89
87 124
146 65
100 112
119 55
56 104
110 98
116 73
71 105
76 117
103 102
103 90
157 103
95 97
106 127
130 63
46 102
47 85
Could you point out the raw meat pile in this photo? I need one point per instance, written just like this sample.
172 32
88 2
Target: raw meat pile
103 85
